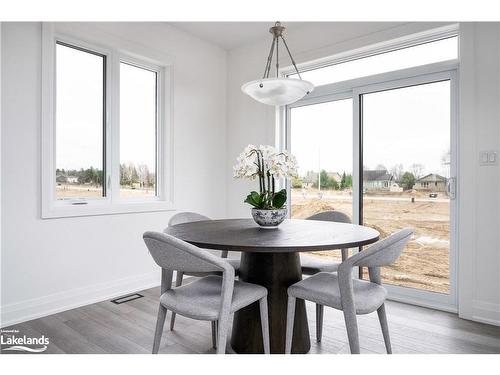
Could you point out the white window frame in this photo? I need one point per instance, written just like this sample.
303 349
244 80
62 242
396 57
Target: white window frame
116 51
443 70
403 42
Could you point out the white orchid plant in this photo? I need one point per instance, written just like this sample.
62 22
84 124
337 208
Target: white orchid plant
268 164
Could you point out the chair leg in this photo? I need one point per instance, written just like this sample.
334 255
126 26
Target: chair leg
345 254
178 282
290 318
214 334
319 322
222 327
162 313
382 317
351 324
264 322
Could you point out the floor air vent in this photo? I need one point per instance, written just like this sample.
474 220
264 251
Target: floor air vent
130 297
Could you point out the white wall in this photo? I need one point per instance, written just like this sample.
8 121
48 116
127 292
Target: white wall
50 265
479 227
479 188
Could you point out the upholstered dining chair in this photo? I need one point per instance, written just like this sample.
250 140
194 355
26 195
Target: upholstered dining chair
213 298
353 296
188 217
311 264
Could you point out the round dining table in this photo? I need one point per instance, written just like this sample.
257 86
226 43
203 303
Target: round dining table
270 257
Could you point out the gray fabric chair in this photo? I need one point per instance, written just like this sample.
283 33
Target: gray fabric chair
188 217
311 264
211 298
352 296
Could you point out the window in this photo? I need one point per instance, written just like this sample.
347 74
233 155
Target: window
417 55
105 134
321 138
80 123
138 108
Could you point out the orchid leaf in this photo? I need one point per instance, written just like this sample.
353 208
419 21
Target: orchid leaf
254 199
279 199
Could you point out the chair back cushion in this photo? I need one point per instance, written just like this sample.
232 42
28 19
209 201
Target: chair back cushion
174 254
382 253
186 217
336 216
189 217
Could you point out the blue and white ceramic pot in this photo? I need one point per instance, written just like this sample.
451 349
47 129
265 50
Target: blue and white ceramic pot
269 219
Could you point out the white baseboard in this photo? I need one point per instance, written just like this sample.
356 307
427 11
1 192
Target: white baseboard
422 298
486 312
422 303
39 307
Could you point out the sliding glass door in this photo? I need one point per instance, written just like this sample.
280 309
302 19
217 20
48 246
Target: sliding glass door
406 175
384 154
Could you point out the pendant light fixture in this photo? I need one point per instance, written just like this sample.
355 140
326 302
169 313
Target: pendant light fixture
280 90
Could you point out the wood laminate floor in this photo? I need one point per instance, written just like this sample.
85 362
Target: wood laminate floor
129 327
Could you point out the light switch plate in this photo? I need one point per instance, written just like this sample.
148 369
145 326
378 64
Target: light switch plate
488 158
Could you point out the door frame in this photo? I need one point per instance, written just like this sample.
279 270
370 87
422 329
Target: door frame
441 71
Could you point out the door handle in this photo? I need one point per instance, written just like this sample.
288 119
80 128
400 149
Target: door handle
452 187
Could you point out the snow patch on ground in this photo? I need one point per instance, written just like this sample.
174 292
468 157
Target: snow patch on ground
426 240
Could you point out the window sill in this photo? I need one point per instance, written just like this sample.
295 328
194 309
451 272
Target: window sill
104 208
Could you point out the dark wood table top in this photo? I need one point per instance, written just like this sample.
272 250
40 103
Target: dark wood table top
292 235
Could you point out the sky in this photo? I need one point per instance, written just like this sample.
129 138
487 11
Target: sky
402 126
321 136
407 126
137 116
79 112
79 109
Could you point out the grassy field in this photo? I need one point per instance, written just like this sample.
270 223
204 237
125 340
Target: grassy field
425 262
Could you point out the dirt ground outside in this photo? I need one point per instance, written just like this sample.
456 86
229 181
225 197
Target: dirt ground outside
424 263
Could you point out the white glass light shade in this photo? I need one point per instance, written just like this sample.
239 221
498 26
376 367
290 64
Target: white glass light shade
277 91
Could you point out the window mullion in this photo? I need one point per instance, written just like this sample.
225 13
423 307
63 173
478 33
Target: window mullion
113 140
160 133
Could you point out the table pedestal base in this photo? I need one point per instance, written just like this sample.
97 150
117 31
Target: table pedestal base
276 272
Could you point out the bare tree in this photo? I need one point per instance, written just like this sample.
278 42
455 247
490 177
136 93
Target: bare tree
144 176
126 174
446 161
416 170
397 172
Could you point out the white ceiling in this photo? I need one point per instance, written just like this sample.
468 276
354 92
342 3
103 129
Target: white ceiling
229 35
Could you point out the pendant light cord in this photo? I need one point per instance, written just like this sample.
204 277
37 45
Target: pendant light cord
277 58
291 58
269 60
274 43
